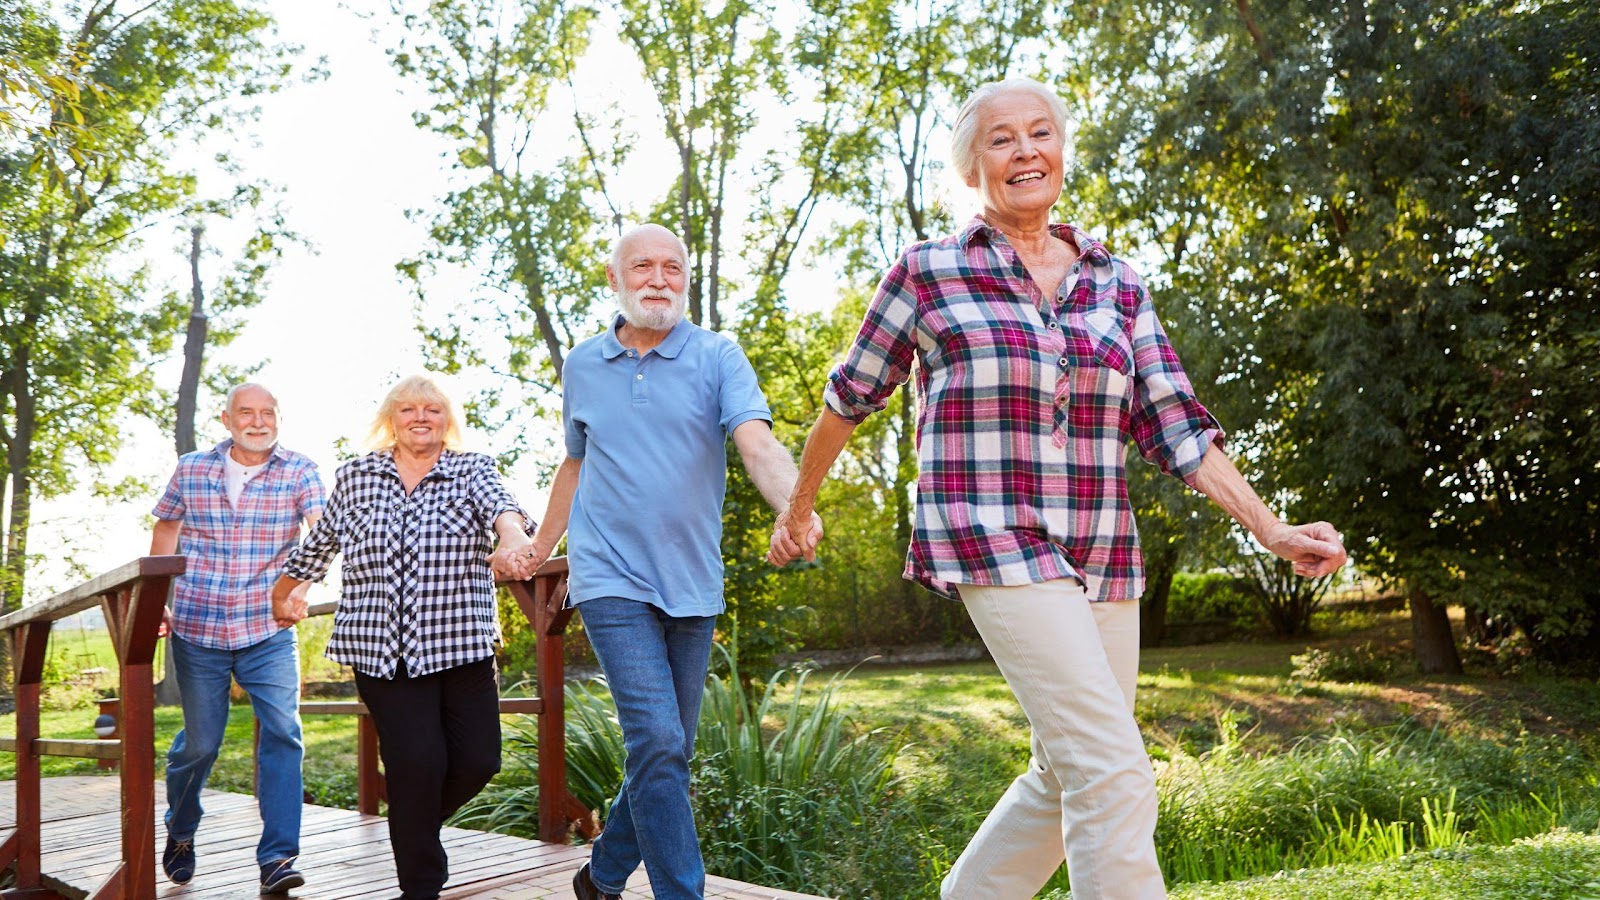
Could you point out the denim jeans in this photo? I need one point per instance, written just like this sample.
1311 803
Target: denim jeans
655 666
269 672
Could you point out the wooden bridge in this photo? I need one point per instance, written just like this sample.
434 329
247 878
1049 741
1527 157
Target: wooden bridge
96 837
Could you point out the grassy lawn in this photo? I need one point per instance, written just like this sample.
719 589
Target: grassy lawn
1227 711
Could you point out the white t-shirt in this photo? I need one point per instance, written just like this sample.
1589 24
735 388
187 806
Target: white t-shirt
238 475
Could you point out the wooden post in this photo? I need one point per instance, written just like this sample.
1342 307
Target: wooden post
29 642
137 654
369 781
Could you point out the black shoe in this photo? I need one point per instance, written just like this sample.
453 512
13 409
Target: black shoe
178 860
280 877
583 886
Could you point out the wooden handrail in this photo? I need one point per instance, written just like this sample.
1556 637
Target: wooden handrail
133 597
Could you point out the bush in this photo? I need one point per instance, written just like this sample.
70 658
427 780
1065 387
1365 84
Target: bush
1360 663
785 793
1211 595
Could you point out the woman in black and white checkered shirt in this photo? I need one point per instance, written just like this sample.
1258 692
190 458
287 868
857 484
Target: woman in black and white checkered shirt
416 519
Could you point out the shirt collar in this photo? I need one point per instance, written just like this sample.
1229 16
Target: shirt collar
1088 248
669 347
381 462
221 451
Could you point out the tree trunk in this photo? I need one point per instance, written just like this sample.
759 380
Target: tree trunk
1153 605
194 349
1434 644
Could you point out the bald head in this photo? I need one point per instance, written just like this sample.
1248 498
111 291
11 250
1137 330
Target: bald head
647 233
649 272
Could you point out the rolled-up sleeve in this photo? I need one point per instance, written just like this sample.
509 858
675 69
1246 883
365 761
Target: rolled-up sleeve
491 496
1169 425
879 359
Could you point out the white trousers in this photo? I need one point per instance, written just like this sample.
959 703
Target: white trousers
1089 794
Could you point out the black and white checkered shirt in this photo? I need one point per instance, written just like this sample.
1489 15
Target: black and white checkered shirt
416 577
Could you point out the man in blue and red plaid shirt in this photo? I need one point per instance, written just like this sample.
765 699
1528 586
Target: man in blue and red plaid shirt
235 511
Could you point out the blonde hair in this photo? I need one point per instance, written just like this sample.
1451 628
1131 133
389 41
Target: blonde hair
413 389
964 133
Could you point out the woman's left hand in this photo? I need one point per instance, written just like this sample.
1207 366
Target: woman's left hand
1316 549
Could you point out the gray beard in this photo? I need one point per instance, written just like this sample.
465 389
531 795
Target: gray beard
651 319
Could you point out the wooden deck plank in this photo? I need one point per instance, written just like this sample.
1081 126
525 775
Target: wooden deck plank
346 854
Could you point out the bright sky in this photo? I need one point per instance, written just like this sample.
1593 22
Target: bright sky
336 326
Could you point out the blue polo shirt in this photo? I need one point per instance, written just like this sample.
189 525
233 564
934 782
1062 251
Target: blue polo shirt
651 429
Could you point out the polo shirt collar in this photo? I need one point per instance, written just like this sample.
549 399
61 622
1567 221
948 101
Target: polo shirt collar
1090 249
611 347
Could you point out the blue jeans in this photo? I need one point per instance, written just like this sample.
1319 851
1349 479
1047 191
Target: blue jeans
269 672
655 666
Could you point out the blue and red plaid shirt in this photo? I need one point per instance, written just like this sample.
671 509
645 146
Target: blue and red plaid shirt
1024 410
224 599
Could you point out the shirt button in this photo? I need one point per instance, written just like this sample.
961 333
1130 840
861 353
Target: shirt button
1063 362
639 377
630 354
1054 324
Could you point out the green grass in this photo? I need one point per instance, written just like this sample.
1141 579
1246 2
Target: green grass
1478 786
1561 865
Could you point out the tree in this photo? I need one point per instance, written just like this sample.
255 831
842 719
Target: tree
1353 190
528 229
75 329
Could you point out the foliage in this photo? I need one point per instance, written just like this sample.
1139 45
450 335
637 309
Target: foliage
1555 865
783 782
1383 214
77 334
1357 797
526 226
1363 662
1211 595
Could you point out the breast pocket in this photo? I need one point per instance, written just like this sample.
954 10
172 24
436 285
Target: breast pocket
1100 374
1099 337
457 516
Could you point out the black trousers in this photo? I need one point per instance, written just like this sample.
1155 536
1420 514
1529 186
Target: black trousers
439 738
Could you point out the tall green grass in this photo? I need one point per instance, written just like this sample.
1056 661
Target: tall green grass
1359 798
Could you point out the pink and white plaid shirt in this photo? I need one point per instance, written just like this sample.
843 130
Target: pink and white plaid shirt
224 600
1024 410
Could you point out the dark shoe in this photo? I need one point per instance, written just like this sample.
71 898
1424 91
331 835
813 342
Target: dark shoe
280 877
583 886
178 860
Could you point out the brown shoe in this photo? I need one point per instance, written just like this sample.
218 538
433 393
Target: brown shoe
583 886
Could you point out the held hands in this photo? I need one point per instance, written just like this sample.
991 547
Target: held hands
1315 549
796 534
290 606
517 563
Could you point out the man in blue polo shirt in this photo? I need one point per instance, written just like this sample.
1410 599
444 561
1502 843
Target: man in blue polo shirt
647 408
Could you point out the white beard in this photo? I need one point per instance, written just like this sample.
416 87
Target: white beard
652 319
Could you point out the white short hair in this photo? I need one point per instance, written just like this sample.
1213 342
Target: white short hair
964 133
244 386
616 249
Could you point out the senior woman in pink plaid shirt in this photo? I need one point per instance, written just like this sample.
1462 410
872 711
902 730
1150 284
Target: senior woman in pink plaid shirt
1039 356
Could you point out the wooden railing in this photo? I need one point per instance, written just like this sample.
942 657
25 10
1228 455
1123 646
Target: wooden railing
132 598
